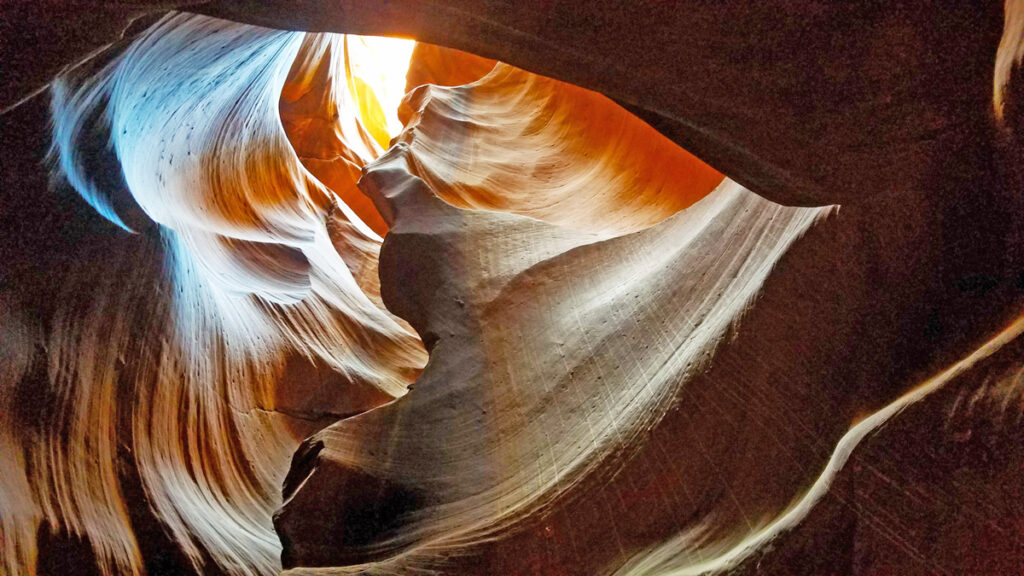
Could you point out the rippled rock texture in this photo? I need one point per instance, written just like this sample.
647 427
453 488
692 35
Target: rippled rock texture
256 316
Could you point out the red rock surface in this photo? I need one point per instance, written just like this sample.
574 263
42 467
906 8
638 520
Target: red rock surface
644 356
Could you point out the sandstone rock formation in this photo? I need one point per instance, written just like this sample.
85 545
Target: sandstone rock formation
253 318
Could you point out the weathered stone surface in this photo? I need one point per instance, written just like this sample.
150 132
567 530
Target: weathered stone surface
633 369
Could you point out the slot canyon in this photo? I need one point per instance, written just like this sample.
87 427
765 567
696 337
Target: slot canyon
511 288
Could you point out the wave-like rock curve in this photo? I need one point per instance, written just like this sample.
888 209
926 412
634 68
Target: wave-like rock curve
635 367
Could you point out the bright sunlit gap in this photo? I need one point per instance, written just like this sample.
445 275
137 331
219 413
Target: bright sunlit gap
377 80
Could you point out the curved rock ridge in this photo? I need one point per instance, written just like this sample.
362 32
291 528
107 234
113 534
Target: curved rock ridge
554 354
681 557
180 372
440 66
590 164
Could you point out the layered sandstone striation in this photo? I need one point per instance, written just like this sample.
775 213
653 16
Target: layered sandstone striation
256 317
